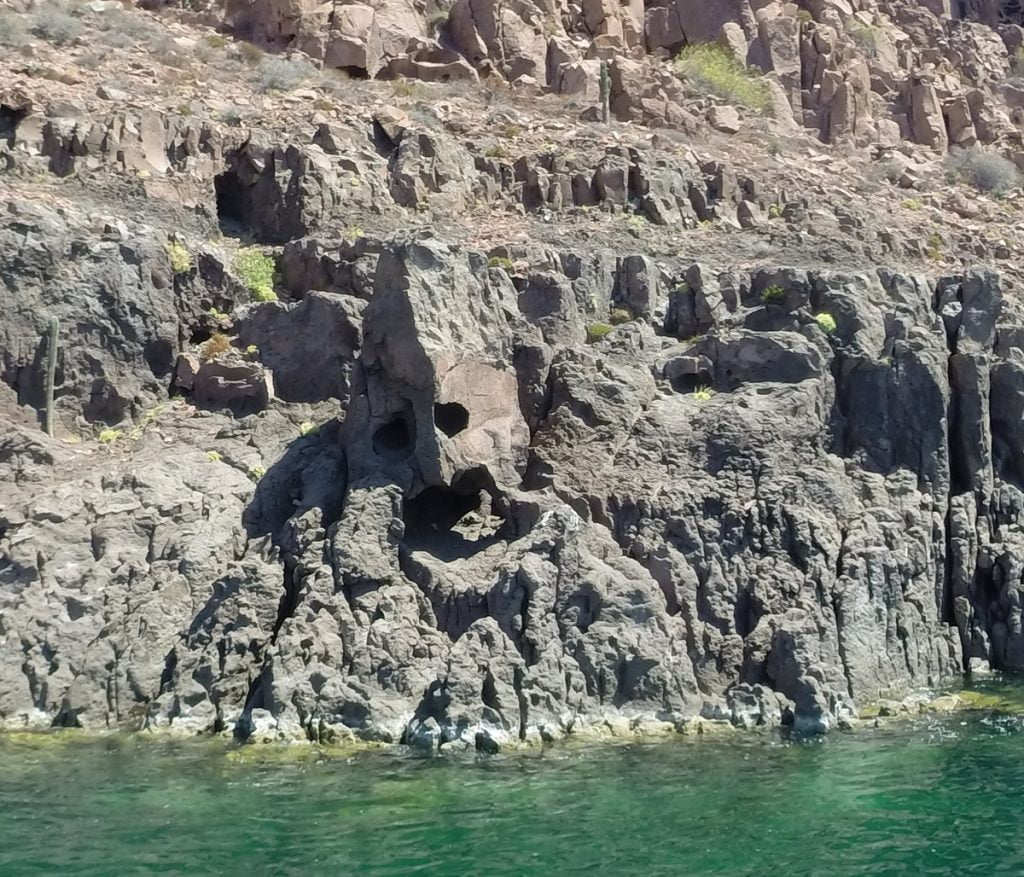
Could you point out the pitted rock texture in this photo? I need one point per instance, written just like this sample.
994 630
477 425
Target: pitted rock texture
438 413
512 534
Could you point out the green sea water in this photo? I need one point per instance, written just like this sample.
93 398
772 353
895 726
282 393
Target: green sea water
941 795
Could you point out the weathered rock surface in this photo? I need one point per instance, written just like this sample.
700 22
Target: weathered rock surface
591 426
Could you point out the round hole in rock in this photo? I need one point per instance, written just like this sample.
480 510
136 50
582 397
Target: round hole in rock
393 440
450 417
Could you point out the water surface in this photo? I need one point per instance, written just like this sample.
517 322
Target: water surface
942 795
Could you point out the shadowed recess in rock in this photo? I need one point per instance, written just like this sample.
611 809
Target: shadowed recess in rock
453 522
393 439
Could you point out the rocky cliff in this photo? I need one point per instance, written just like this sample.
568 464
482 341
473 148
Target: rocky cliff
441 413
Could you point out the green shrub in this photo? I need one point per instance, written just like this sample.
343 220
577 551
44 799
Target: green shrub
107 436
827 322
986 171
711 69
213 456
774 211
495 152
503 262
934 251
703 394
181 260
597 331
618 316
257 472
774 294
911 204
256 271
306 427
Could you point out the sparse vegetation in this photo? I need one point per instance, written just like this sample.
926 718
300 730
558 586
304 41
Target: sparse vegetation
827 322
503 262
107 436
773 294
252 350
934 250
306 427
284 74
257 472
213 456
703 394
496 151
597 331
865 37
986 171
54 25
251 54
216 41
710 68
1017 63
12 29
168 52
618 316
911 204
774 211
354 232
179 256
216 346
436 21
256 271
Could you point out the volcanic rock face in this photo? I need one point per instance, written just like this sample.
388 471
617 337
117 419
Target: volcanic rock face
766 513
595 427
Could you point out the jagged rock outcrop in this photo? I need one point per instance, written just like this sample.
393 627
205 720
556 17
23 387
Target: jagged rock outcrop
444 415
514 534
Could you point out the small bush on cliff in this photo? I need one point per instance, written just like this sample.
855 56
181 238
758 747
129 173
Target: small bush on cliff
55 26
865 37
180 259
710 68
773 294
827 322
217 346
503 262
12 29
284 74
703 394
256 270
597 331
618 316
986 171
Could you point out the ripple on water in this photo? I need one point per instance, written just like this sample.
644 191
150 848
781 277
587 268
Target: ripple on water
938 796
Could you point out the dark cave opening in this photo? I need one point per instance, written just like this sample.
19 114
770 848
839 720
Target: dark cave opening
393 440
10 118
454 522
690 383
231 203
450 417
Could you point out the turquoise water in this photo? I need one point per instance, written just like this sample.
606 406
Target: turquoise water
938 796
